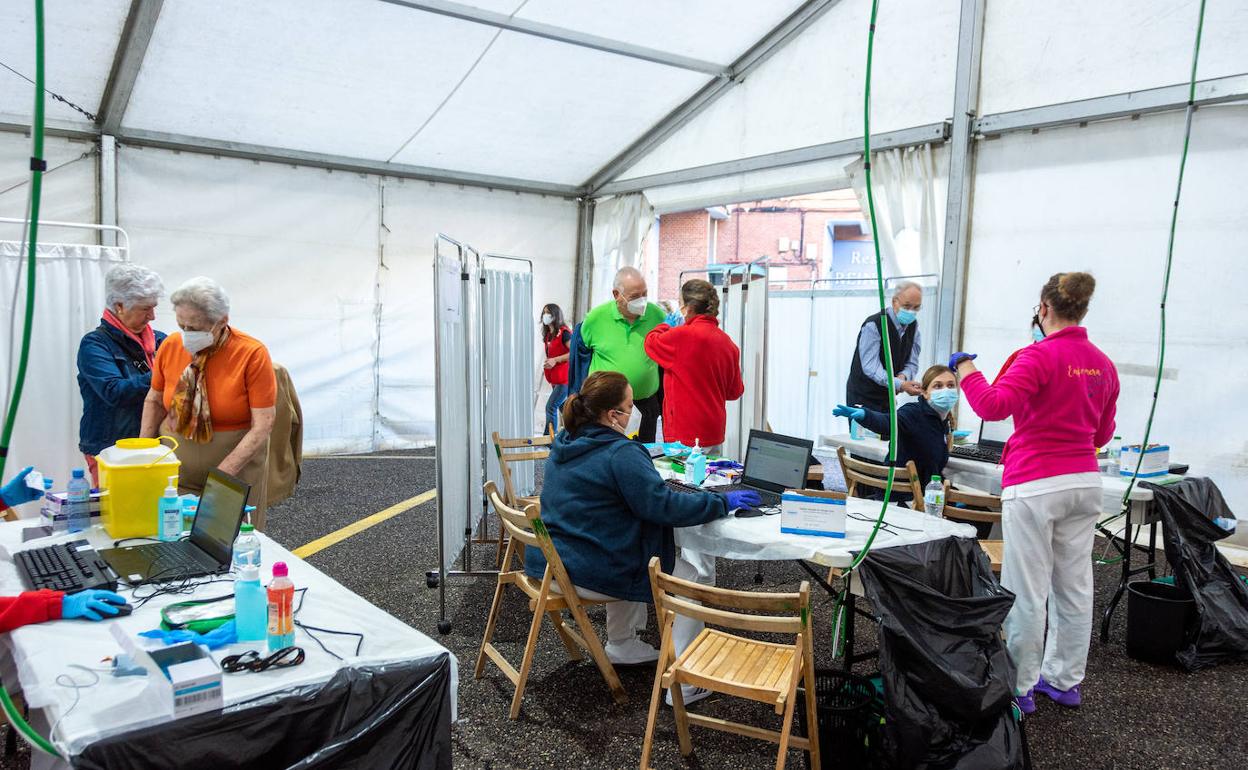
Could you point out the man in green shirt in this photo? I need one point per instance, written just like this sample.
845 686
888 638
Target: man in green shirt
616 332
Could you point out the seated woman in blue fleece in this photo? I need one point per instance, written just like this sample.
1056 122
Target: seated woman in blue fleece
923 426
608 511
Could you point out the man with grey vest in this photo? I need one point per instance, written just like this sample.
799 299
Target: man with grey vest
868 375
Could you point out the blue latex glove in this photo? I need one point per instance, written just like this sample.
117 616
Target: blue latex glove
16 492
742 498
91 604
674 319
852 412
226 633
957 358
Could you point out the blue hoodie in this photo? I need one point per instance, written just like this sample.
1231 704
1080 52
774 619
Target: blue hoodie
608 511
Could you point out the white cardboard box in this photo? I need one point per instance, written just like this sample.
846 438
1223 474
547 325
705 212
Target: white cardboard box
812 512
1156 460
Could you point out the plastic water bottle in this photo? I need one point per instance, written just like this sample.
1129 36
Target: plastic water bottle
1114 453
695 465
78 501
281 596
247 549
251 612
934 498
169 512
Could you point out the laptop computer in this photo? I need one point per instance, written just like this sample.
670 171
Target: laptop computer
990 444
209 549
773 463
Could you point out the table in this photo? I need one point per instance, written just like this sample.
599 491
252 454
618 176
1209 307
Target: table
963 471
115 716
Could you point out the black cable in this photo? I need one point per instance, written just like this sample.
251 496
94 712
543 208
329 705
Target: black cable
89 115
359 644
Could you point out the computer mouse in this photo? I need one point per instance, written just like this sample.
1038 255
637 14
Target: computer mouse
122 610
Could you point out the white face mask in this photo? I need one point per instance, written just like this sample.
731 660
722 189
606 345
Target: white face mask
196 341
637 306
547 318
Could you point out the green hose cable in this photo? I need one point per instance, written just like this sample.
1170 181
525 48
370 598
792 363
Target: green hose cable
884 340
36 193
1165 284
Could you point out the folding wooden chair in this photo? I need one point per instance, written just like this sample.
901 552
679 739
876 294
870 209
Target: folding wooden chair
527 529
867 474
534 449
980 507
761 671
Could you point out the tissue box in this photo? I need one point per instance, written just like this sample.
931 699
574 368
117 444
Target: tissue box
811 512
1156 460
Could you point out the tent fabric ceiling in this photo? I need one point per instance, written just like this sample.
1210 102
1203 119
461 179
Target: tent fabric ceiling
381 82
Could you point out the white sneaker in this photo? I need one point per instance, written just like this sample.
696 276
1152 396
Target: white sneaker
689 694
631 653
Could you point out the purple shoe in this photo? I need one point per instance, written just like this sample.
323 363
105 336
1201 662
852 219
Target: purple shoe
1071 698
1026 703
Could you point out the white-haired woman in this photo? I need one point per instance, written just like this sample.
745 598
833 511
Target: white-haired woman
214 387
115 361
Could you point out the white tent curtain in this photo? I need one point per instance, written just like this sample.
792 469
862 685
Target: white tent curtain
509 367
69 298
620 228
908 204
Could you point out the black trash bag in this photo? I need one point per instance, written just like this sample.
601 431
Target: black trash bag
1188 509
393 715
948 679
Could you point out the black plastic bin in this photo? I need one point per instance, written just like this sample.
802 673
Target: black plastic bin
849 719
1159 621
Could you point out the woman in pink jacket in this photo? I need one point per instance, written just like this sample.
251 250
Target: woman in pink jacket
1062 393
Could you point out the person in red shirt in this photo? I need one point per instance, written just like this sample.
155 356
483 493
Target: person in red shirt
701 368
38 606
556 338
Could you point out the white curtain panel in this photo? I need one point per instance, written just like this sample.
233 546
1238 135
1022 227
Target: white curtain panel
908 204
69 299
509 366
620 228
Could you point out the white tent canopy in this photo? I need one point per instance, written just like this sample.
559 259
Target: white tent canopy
305 153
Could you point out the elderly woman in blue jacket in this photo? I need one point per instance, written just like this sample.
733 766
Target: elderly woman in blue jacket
115 361
608 511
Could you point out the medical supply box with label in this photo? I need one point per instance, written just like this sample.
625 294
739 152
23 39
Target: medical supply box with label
1156 460
182 679
812 512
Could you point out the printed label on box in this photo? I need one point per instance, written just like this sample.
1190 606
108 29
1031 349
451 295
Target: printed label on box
811 514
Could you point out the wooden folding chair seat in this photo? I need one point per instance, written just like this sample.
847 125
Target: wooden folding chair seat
544 601
980 507
862 473
767 672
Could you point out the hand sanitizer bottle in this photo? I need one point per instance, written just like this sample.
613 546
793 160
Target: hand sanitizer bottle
169 512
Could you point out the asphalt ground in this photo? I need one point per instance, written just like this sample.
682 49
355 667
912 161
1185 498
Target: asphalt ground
1135 715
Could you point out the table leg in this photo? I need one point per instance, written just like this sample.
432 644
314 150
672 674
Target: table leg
1152 551
1122 583
848 652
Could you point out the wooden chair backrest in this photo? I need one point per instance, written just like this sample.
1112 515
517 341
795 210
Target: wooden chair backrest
527 528
503 449
876 476
978 506
679 596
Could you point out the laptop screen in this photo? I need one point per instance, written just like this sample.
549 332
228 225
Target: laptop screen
219 515
996 433
776 462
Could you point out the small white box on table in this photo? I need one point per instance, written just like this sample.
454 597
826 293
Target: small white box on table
1156 460
812 512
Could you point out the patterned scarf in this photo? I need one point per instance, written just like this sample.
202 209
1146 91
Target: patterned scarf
146 340
191 416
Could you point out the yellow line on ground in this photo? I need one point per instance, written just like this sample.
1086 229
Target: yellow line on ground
355 528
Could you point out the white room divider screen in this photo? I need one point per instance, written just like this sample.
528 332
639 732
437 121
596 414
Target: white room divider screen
483 373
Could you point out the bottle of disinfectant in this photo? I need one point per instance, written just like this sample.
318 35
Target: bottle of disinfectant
934 498
281 594
250 605
169 512
695 465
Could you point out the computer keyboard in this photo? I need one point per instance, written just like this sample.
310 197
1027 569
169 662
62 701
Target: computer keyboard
68 567
676 485
982 454
766 499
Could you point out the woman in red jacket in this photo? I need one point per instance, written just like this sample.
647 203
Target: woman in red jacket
556 338
701 368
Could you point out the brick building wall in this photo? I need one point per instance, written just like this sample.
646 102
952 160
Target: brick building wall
683 245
